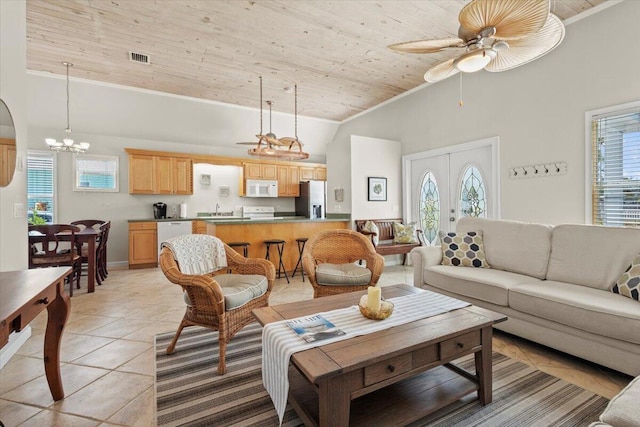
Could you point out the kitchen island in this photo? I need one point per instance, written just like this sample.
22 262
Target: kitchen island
256 231
143 243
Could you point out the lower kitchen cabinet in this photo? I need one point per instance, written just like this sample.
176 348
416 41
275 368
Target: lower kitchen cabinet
143 246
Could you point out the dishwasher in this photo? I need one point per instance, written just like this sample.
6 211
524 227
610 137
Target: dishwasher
169 229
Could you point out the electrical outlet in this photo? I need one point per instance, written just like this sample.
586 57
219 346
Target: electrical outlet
18 210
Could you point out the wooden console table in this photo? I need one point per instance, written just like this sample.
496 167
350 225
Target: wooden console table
23 295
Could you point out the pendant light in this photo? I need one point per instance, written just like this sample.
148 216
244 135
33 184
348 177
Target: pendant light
67 143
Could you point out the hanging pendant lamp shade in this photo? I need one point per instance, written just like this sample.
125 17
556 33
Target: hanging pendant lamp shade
67 143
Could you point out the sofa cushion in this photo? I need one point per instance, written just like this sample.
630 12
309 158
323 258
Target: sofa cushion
624 409
404 233
342 274
239 289
591 255
511 245
629 283
591 310
463 249
480 283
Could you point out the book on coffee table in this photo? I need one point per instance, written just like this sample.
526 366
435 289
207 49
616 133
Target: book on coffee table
314 328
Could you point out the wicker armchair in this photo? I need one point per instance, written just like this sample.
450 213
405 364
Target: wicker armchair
205 296
337 249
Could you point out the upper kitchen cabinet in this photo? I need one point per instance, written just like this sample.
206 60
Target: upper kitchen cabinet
149 174
260 171
310 173
288 181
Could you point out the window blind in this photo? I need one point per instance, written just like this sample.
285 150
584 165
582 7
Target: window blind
96 173
40 184
616 168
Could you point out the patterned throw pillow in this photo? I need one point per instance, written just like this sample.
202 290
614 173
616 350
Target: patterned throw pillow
404 233
464 250
371 227
629 283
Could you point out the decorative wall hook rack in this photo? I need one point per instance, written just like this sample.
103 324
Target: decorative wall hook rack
536 171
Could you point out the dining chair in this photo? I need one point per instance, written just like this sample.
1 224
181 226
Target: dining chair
101 253
329 260
54 245
83 249
216 299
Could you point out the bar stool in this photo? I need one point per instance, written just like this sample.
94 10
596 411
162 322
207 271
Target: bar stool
243 245
301 242
280 246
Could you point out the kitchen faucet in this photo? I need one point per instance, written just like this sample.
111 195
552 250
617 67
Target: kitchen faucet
217 207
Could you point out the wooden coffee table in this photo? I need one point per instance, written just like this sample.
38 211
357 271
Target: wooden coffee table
391 377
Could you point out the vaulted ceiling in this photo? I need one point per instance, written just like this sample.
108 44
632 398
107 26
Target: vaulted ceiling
335 51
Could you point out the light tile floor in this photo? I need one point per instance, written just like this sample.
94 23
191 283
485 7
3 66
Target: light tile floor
108 359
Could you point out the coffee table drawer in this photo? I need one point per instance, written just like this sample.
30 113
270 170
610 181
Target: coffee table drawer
460 344
387 369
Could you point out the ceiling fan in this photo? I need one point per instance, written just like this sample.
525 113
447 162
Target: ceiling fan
496 35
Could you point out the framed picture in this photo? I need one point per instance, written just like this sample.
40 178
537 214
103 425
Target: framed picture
377 189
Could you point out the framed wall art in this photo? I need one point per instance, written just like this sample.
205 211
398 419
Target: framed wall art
377 189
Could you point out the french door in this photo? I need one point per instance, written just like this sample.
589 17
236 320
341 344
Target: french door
444 185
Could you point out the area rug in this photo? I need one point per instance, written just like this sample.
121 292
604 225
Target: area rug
191 393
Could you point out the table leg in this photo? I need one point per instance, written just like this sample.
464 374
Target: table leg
91 265
484 367
334 402
58 312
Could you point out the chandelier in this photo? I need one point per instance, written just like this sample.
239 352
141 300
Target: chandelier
269 146
67 143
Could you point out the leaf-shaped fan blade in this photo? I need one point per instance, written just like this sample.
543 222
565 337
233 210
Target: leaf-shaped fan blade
513 19
526 50
427 46
440 71
247 143
287 140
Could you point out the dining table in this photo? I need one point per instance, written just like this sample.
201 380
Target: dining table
86 235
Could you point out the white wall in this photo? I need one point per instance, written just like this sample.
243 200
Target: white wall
371 157
13 87
339 175
537 110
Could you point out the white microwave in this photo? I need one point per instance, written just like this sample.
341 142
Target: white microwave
261 188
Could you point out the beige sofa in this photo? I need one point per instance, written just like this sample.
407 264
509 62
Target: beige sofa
552 282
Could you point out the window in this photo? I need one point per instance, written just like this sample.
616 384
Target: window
615 167
473 200
40 187
430 208
95 173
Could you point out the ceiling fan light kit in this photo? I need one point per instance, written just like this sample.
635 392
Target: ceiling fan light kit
67 143
497 35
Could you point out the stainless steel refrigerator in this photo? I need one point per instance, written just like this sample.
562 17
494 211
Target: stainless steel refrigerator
312 200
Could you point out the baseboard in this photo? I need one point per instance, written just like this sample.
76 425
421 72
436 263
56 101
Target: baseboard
16 340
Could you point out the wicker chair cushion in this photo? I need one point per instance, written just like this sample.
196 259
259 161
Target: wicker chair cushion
238 289
342 274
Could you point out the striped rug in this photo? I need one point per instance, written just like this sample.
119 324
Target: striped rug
191 393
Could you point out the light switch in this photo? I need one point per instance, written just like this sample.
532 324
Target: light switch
18 210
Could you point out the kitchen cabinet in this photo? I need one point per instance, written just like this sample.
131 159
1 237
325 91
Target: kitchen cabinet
143 249
288 181
260 171
308 173
7 160
150 174
199 227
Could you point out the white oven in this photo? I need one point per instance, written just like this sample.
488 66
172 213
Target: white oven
261 188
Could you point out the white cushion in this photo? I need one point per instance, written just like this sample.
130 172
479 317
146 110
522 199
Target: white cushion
581 307
591 255
484 284
511 245
342 274
624 410
238 289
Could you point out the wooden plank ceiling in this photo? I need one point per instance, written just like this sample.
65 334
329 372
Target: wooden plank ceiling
336 51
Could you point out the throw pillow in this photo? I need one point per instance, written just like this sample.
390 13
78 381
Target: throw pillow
464 250
371 227
629 283
404 233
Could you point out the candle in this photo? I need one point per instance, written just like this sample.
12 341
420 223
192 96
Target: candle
374 297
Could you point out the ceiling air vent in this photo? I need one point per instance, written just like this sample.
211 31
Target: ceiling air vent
139 57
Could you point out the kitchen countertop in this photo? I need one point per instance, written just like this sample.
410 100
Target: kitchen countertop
226 221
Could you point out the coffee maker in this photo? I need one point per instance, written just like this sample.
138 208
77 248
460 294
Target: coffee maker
159 210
